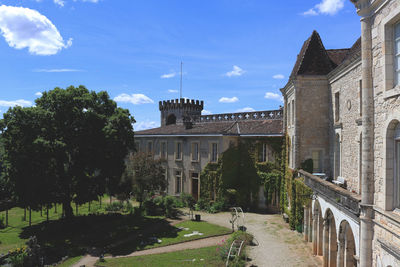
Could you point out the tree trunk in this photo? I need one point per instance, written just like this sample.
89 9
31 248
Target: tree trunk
110 199
67 209
6 217
30 216
24 214
41 211
76 208
100 202
47 212
89 205
55 208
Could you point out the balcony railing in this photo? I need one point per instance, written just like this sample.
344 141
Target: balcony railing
339 195
255 115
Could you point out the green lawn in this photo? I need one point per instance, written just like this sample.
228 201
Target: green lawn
10 237
170 235
110 233
71 261
192 257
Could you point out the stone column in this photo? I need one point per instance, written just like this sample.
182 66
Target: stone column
367 164
325 243
340 252
310 224
315 233
305 223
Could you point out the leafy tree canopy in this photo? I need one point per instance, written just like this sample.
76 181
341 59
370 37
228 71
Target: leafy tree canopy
70 146
146 175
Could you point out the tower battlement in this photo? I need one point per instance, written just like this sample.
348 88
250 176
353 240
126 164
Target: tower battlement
181 103
174 111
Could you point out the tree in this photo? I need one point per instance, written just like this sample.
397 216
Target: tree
71 146
146 174
238 172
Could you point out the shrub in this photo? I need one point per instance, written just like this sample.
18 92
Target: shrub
170 206
216 207
150 207
2 224
114 206
243 236
188 200
202 204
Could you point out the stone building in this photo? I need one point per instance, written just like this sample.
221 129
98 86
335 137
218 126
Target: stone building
342 110
188 141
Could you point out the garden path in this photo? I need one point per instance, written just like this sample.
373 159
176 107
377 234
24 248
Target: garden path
278 245
89 260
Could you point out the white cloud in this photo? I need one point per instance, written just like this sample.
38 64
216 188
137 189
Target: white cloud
278 76
326 7
19 102
228 99
246 109
39 94
237 71
168 75
56 70
205 112
274 96
172 91
144 125
59 2
27 28
135 99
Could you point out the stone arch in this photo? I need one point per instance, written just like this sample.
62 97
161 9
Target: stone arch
330 239
317 228
346 246
390 164
171 119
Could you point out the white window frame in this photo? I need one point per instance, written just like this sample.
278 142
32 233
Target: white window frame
192 152
166 150
288 114
264 152
176 151
211 154
337 106
149 151
178 189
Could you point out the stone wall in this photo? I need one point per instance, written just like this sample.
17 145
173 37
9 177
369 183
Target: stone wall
347 126
386 110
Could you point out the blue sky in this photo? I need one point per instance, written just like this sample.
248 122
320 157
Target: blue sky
236 54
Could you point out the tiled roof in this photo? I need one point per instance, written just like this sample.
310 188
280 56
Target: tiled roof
313 58
243 127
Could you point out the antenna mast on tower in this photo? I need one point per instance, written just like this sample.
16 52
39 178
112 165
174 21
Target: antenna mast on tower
181 80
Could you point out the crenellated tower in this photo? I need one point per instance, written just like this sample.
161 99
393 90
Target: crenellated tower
175 111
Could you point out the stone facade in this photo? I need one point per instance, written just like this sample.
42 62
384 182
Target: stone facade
358 223
209 135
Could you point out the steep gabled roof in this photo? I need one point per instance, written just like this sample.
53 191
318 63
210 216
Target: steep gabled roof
313 58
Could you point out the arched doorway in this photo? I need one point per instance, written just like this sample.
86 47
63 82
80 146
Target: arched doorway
317 229
346 246
171 119
330 240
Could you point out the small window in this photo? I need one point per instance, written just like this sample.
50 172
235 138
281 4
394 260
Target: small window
263 153
214 152
288 114
397 54
178 151
293 111
178 182
396 195
150 147
337 107
163 150
360 88
316 158
137 146
195 151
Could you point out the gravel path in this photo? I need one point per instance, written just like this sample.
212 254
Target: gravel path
88 260
278 245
